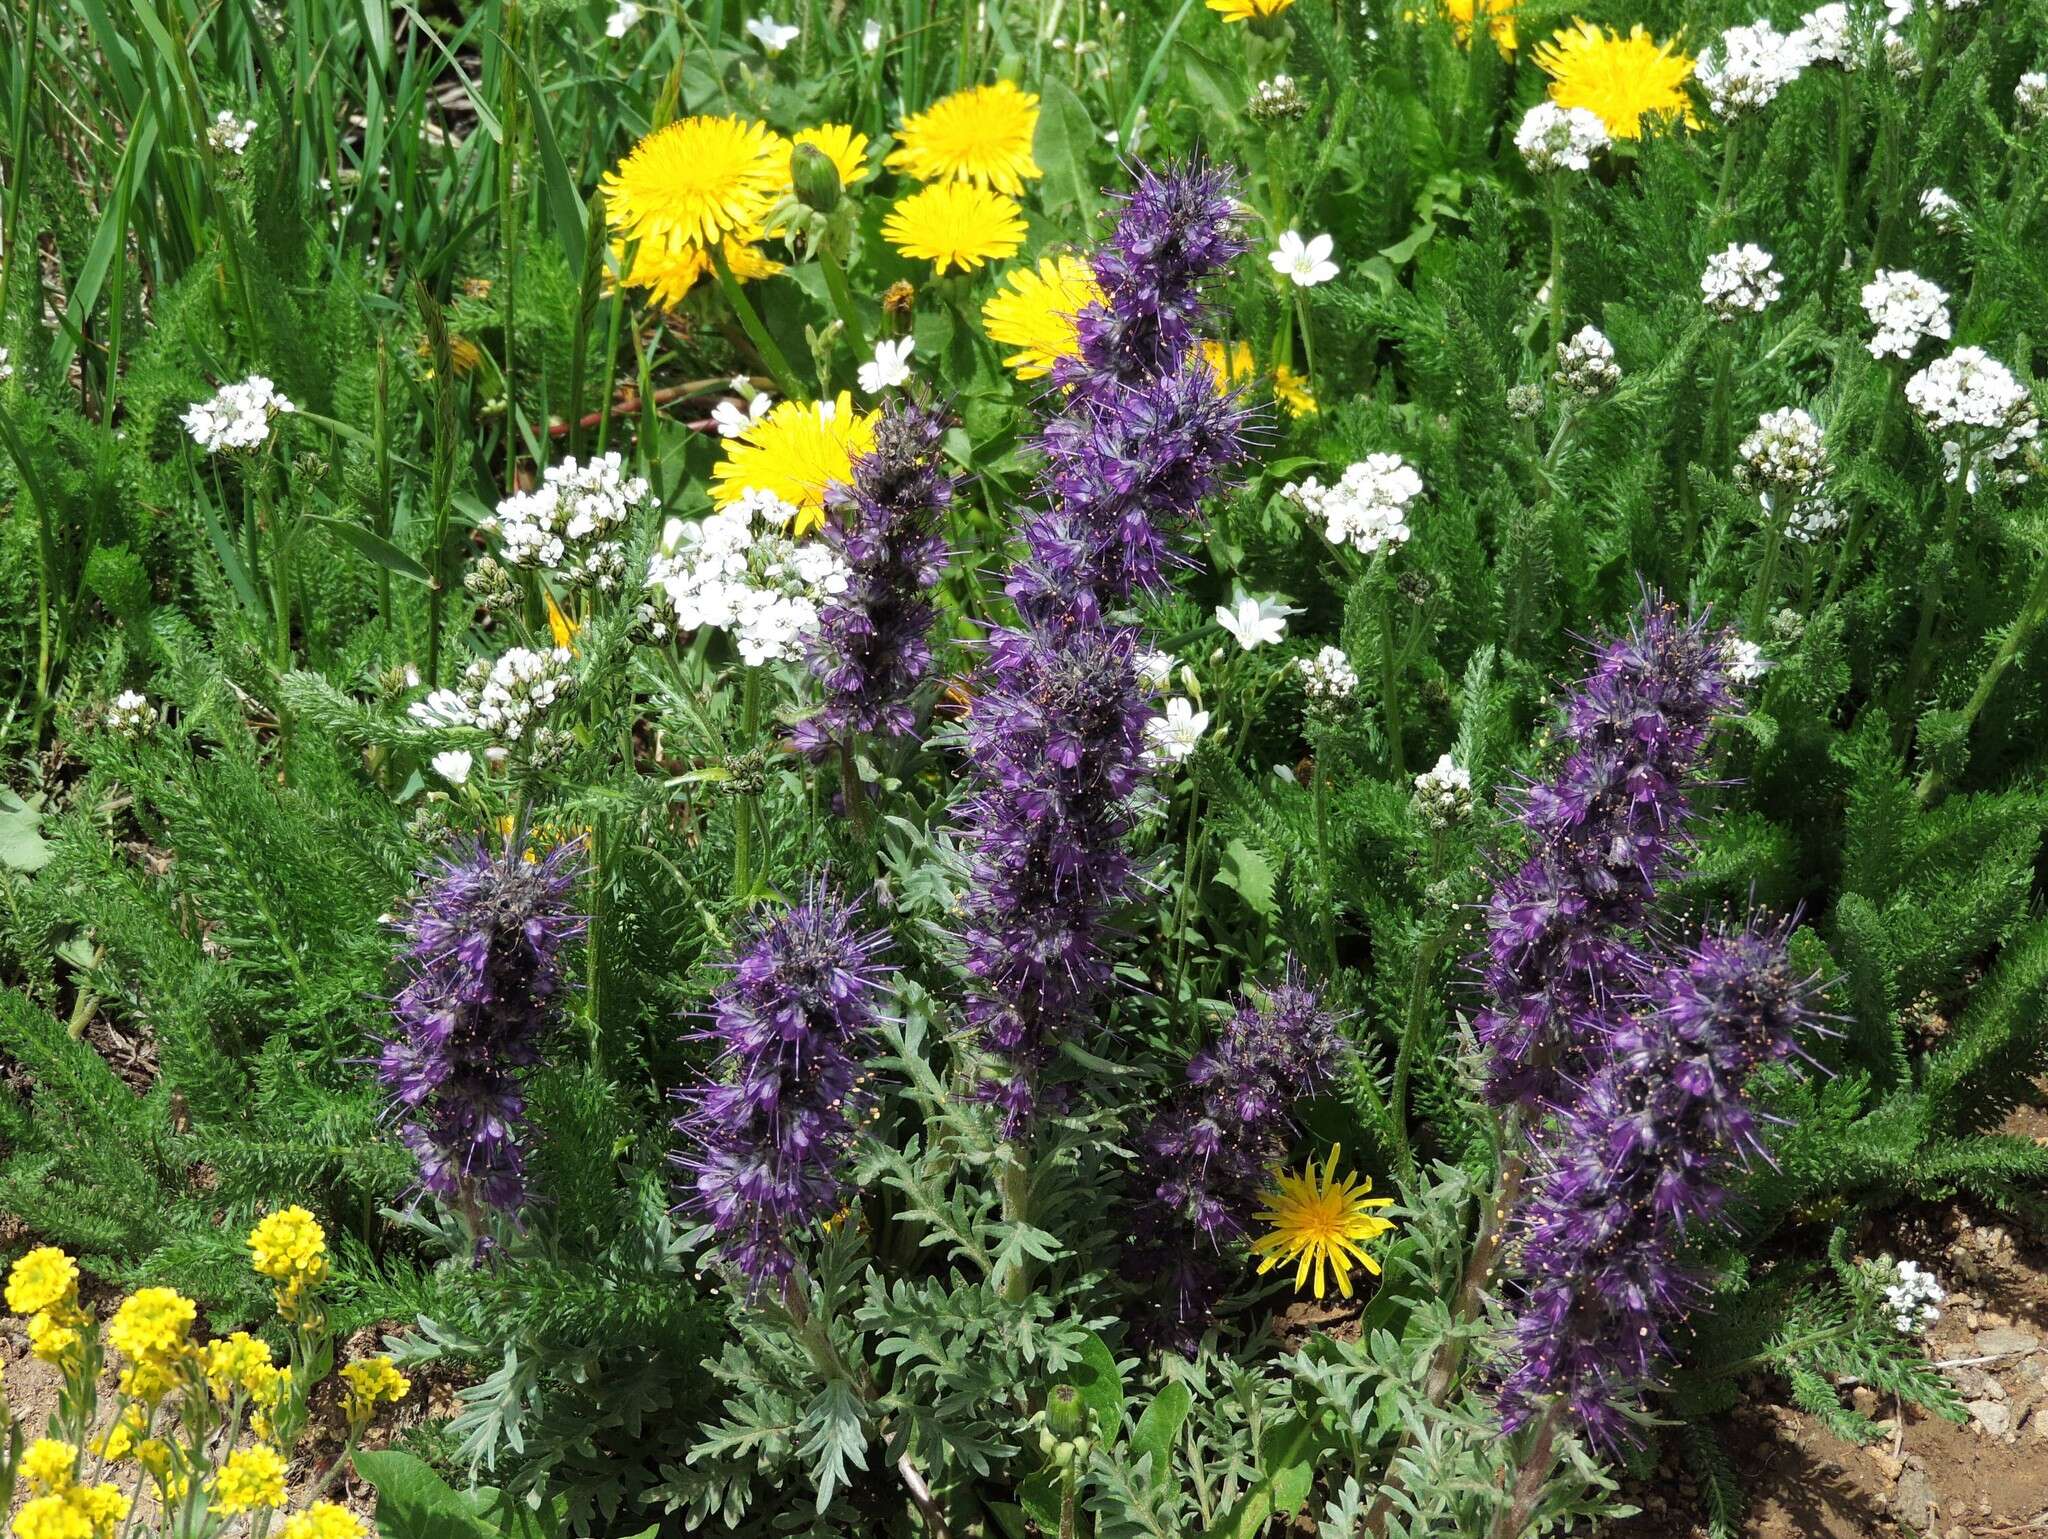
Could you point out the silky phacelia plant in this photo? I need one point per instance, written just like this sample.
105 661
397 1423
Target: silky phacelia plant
1645 1157
766 1143
872 647
481 996
1208 1151
1055 736
1563 943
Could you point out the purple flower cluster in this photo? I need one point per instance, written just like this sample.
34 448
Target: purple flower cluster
1204 1156
769 1140
1563 941
1055 735
1643 1157
872 647
484 960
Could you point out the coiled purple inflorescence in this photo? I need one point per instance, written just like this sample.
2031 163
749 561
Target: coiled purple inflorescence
484 964
873 648
1563 930
1205 1155
768 1142
1644 1156
1055 734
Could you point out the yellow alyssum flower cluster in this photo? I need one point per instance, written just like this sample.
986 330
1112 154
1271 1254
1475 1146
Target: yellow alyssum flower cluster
707 187
43 1285
371 1382
290 1248
973 151
248 1479
323 1520
60 1506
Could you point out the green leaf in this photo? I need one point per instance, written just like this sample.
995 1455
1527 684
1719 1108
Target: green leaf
415 1503
22 846
1066 136
1039 1496
374 549
1248 873
1101 1386
1160 1425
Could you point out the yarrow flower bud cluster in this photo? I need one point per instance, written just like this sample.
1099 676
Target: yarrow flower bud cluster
1560 948
1206 1153
2030 96
1740 280
871 648
1745 661
1906 309
506 696
1585 364
237 417
1748 66
229 135
1368 507
1785 456
484 974
739 571
1554 138
766 1144
1443 793
1981 413
1328 675
1941 210
569 525
1276 99
1644 1157
1914 1299
131 715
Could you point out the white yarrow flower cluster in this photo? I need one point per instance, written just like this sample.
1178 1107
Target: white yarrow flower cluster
1173 737
1328 675
1825 37
739 571
2030 96
1748 67
1585 364
870 36
131 714
1979 411
1278 97
1368 507
1554 138
1940 210
6 368
506 697
1915 1299
1744 660
1906 310
238 416
228 134
623 19
1443 793
570 524
1740 279
1786 454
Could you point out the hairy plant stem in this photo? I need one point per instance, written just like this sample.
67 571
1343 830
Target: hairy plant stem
747 803
1328 907
1556 264
1767 575
1940 557
2021 631
855 793
1013 1283
842 297
1390 681
1426 951
1535 1473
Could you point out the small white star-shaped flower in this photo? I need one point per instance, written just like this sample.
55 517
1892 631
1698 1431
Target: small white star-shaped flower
772 35
1255 622
1305 262
1174 736
890 367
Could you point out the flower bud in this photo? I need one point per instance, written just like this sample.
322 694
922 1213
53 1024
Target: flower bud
1066 1413
815 178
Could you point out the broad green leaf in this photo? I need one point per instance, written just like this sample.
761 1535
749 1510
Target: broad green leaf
1101 1386
1065 139
1160 1425
1248 873
415 1503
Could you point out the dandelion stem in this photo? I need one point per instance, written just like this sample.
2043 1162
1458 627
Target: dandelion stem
750 322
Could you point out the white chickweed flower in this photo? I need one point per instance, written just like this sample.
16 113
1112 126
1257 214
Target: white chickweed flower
890 367
772 35
1748 67
1554 138
1174 736
454 765
1740 279
1255 622
1906 310
732 419
238 416
623 19
870 35
1368 507
1328 675
1585 364
1305 263
1155 669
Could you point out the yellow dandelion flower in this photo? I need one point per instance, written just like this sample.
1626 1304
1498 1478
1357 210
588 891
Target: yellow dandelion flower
1315 1221
1248 10
1034 309
1292 392
1235 370
249 1478
49 1464
981 135
152 1325
43 1281
955 224
695 181
795 452
1500 20
560 626
323 1520
372 1382
845 147
1620 80
669 273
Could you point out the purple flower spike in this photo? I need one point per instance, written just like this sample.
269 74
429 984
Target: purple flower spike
1562 944
872 649
1205 1155
1643 1157
485 973
769 1141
